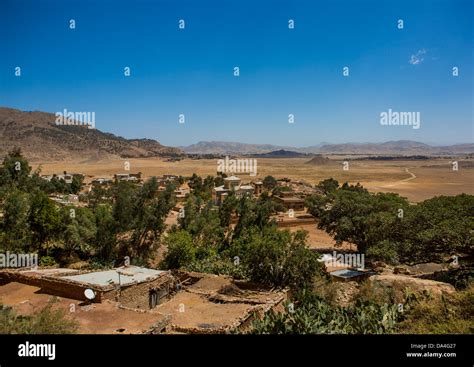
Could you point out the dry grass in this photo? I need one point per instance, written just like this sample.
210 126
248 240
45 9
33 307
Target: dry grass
433 177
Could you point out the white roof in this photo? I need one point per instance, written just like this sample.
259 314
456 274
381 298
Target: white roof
232 178
220 188
246 187
128 274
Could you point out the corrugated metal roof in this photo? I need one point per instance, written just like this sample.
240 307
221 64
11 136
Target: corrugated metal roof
128 274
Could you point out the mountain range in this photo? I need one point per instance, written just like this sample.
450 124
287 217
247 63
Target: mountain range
39 137
400 147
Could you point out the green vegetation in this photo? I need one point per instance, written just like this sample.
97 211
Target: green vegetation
205 240
453 314
374 310
385 226
269 182
48 320
119 220
310 314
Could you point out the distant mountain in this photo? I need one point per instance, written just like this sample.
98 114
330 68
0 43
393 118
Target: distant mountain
282 153
37 134
389 147
319 160
400 147
224 147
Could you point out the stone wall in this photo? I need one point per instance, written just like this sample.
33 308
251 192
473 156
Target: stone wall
68 289
137 296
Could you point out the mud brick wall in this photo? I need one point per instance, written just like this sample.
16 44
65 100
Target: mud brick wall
6 277
245 324
15 276
296 222
55 286
136 296
71 290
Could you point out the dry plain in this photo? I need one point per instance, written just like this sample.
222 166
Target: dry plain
417 180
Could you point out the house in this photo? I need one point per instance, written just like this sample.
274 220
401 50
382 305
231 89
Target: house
180 194
101 181
132 177
290 201
169 178
72 198
137 176
67 177
122 176
131 286
231 184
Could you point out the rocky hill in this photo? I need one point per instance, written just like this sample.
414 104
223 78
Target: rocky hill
37 134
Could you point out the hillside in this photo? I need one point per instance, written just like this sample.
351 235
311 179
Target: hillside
319 161
40 139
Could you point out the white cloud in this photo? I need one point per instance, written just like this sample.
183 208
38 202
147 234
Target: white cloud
418 57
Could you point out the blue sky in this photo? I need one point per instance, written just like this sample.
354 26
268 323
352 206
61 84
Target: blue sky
282 71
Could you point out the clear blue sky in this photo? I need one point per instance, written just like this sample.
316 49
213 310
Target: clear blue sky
283 71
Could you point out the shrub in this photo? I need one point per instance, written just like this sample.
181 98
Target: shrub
48 320
451 314
47 261
181 250
312 315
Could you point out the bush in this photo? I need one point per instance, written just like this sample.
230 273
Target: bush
46 321
451 314
278 258
217 265
181 251
47 261
312 315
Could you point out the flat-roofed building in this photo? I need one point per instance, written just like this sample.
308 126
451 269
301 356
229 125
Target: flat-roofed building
290 201
231 184
132 286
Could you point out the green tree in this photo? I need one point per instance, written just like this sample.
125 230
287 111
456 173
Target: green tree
149 213
44 219
269 182
76 184
15 230
105 238
15 170
180 250
79 230
124 202
278 258
328 186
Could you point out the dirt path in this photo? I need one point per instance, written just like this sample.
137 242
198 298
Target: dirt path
412 177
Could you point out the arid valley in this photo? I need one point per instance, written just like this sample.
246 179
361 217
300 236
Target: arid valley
432 177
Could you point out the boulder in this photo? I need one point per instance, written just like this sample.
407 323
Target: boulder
401 270
416 284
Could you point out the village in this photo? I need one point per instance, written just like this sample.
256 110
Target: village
137 299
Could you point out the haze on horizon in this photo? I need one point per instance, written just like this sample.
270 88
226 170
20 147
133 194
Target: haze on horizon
283 71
